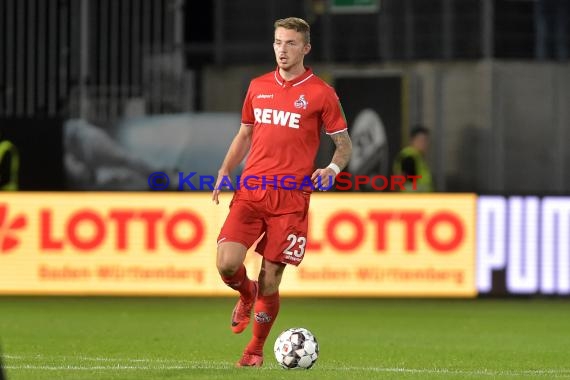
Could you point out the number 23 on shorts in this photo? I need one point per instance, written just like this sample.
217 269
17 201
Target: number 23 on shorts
296 248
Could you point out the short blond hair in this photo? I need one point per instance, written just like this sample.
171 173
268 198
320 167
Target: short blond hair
296 24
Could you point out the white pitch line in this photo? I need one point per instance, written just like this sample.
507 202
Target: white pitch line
107 368
443 371
481 372
96 359
160 364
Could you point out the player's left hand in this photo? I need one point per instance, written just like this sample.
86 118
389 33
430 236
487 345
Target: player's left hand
323 179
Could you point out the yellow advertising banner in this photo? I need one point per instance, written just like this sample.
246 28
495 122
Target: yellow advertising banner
165 244
389 245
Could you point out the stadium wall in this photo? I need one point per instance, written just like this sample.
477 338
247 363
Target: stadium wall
491 118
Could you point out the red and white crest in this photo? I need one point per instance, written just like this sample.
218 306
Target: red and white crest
301 102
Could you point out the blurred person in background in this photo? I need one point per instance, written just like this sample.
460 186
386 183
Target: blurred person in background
411 161
282 116
9 165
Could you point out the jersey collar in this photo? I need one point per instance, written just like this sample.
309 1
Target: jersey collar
295 82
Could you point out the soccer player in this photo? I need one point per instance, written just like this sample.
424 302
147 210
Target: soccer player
282 115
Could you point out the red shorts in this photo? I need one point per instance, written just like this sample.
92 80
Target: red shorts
281 214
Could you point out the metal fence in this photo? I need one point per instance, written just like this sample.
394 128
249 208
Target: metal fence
91 58
101 59
240 31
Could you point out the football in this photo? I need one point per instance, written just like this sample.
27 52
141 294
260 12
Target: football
296 348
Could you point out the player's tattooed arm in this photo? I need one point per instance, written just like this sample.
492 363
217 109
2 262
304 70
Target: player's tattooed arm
343 149
324 178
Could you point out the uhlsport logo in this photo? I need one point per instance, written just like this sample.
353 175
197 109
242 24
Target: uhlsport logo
8 240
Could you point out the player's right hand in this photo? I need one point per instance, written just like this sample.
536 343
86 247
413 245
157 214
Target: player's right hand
217 189
215 194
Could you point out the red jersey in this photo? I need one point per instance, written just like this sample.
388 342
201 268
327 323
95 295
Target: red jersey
286 117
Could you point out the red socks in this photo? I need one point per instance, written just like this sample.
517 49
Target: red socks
265 311
240 282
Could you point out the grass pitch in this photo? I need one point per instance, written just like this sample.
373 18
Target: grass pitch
190 338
